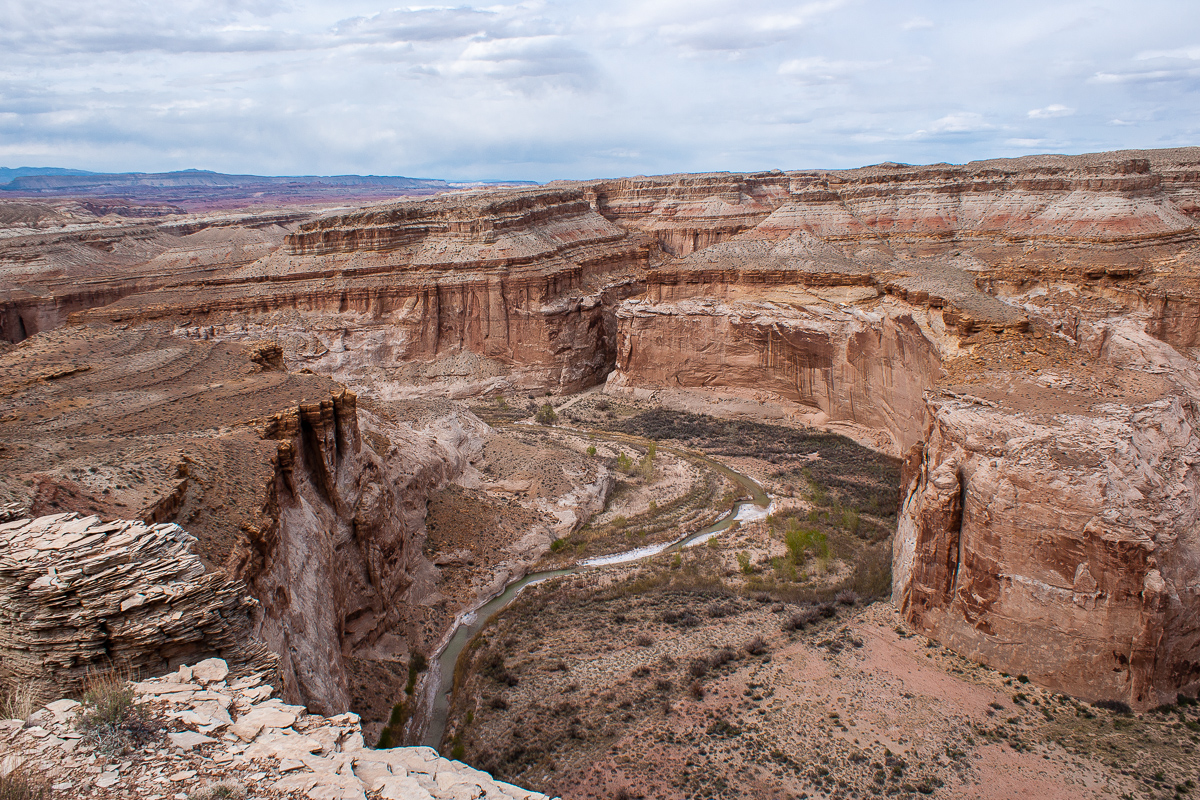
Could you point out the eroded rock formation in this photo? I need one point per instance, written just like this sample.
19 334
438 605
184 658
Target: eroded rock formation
78 594
974 315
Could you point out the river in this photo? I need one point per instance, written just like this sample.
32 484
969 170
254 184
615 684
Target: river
469 624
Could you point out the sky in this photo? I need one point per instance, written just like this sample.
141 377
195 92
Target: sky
569 89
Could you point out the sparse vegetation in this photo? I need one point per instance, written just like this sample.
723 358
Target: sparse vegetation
23 784
226 790
546 415
111 719
18 701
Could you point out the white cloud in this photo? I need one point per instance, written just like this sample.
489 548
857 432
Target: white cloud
545 89
1050 112
1027 144
960 122
817 70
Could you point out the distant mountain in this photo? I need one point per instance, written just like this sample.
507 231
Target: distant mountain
64 182
7 173
195 189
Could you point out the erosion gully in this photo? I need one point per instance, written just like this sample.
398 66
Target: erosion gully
471 622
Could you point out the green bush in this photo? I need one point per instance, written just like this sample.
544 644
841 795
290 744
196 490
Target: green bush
591 451
625 464
744 563
806 540
416 665
647 466
546 415
392 733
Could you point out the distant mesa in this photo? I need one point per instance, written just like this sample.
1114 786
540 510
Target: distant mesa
196 189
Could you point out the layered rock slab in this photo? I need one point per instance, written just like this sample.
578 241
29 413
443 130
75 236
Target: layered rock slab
78 594
221 731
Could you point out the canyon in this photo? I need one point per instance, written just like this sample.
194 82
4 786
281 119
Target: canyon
327 398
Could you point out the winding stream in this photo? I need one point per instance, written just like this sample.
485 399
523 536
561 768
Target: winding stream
472 622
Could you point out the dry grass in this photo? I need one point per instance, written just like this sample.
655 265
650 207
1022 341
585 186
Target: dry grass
22 784
19 700
111 718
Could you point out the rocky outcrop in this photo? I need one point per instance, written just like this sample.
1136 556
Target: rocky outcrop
336 559
78 595
1058 538
459 295
218 731
686 213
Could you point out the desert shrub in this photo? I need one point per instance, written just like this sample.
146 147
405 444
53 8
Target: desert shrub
847 597
827 610
664 684
698 668
1116 706
625 464
719 610
723 656
591 451
111 719
21 784
873 571
800 541
226 790
744 563
498 702
723 728
546 415
557 545
696 690
602 405
492 665
756 646
801 619
643 640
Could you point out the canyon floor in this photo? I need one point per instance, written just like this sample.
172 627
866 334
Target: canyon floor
734 669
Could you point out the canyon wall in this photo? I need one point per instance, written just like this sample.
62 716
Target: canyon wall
462 295
311 505
977 314
337 563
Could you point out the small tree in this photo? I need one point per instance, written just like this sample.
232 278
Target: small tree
647 466
545 415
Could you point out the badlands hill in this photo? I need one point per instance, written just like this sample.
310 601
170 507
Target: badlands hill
1020 332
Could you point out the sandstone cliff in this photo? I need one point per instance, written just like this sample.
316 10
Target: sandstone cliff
973 313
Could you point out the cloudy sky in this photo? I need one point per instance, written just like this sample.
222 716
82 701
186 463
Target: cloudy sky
572 89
